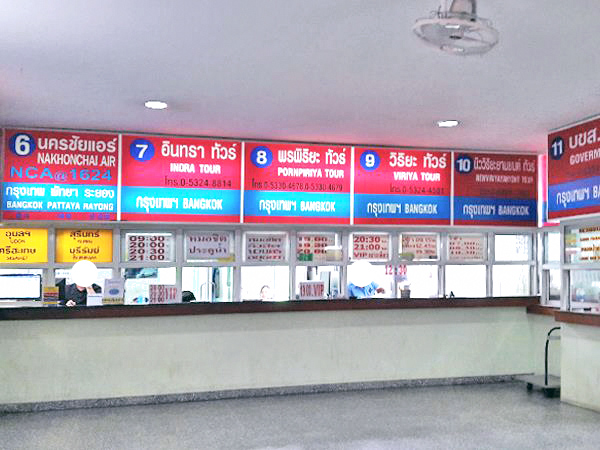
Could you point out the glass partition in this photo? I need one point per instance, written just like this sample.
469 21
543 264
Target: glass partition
417 281
266 283
510 280
138 282
466 281
207 284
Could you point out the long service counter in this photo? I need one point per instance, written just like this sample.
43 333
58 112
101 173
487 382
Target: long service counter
199 351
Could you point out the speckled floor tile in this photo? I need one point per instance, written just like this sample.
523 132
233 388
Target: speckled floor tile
490 416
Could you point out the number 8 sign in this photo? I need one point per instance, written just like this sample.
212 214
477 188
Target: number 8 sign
261 157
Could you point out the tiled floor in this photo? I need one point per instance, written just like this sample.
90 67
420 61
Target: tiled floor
498 416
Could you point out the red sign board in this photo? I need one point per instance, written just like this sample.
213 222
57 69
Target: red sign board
180 179
297 183
59 175
495 189
574 170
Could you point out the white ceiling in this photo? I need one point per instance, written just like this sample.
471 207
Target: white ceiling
347 71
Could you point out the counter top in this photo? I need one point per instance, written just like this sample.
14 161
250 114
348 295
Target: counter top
578 318
542 310
183 309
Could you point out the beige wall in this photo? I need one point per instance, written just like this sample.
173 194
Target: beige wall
580 365
48 360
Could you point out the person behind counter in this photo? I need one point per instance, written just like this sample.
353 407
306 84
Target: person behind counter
83 273
76 295
361 284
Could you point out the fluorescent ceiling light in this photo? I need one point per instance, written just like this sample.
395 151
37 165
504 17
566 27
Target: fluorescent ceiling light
155 104
447 123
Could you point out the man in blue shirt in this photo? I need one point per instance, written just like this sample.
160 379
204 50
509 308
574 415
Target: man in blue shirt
360 284
367 291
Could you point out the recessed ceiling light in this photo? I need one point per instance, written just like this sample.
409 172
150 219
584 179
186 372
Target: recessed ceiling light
155 104
447 123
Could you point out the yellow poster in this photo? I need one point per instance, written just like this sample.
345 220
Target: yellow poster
23 246
75 245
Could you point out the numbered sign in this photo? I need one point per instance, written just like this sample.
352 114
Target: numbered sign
58 175
169 178
155 247
371 246
297 183
574 170
207 246
399 186
495 189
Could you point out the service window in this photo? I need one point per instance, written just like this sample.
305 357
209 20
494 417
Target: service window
419 246
318 247
213 246
207 284
62 277
266 283
417 281
467 247
584 290
466 280
370 246
139 282
511 279
153 247
379 276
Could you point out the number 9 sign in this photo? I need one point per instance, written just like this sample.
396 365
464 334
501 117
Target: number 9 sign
261 157
141 150
22 144
370 160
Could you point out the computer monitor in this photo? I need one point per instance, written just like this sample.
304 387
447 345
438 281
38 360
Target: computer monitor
25 286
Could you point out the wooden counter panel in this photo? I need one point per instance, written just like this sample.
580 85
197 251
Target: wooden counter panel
542 310
578 318
183 309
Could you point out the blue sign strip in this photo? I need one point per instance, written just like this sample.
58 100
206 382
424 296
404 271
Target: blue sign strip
296 204
389 206
154 200
47 197
574 194
495 209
